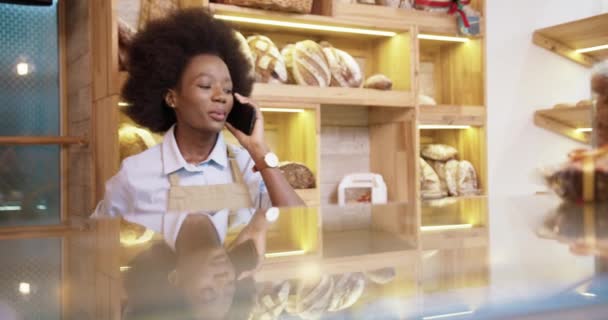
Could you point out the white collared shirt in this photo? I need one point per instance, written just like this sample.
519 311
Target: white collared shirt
142 184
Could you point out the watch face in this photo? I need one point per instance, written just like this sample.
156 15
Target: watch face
271 160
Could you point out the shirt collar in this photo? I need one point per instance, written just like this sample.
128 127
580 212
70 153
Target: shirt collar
174 161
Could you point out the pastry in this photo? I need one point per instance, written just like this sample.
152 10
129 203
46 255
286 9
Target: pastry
345 71
440 152
270 301
269 64
467 179
451 176
310 67
246 51
378 81
298 175
287 53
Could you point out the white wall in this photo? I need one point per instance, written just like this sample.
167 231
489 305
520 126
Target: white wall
521 78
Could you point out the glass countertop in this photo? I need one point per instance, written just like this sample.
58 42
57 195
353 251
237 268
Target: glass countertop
533 258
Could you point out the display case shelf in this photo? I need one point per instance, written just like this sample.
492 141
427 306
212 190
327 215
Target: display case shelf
573 122
569 38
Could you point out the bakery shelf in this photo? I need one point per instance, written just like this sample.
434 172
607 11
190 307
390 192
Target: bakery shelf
566 121
452 115
565 39
290 94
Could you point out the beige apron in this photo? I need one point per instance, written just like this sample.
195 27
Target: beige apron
210 197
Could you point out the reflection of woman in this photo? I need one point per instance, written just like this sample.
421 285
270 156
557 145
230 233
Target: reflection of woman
185 72
198 279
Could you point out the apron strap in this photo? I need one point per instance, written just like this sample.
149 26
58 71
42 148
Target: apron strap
174 179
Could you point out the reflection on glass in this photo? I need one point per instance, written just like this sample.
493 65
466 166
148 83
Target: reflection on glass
30 281
29 185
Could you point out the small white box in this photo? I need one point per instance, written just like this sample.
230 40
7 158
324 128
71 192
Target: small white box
362 188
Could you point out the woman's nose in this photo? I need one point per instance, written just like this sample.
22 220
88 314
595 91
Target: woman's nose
218 94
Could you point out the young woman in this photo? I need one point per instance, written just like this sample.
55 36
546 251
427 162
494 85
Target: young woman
185 72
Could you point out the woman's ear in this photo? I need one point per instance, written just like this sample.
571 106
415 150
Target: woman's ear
170 98
172 277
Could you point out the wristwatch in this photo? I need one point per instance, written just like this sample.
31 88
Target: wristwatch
270 161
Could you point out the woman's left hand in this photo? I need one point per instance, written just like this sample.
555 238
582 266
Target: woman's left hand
255 143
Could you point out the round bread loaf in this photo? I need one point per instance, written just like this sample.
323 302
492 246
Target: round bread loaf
345 71
467 179
451 176
246 50
133 140
378 81
440 152
381 276
310 66
348 288
311 300
270 301
430 186
269 64
298 175
287 53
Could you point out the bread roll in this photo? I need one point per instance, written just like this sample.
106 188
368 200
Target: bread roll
310 66
345 71
440 152
439 167
270 301
378 81
269 64
298 175
311 300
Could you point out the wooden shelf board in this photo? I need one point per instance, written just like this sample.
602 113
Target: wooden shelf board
427 22
452 115
384 25
276 94
565 121
565 38
331 96
456 199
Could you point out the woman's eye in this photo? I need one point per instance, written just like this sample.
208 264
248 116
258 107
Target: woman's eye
228 91
204 86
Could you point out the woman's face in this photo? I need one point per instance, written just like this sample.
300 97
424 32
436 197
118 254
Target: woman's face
204 97
207 279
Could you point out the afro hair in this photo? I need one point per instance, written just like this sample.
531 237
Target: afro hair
160 53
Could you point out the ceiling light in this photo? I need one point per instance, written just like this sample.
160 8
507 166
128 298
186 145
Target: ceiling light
285 254
23 68
10 208
282 110
306 26
442 38
24 288
441 127
446 227
597 48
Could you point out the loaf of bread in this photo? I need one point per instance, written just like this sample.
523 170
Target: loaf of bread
125 36
467 179
440 152
298 175
309 65
439 167
311 299
269 64
270 301
348 288
287 53
451 176
599 85
345 71
133 140
381 276
430 186
378 81
246 51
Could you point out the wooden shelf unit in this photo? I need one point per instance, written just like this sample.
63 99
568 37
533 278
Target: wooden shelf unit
564 39
566 121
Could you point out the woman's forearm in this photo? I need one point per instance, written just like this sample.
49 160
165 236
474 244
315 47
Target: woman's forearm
280 191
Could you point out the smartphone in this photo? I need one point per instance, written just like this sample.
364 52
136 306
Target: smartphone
242 116
244 257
